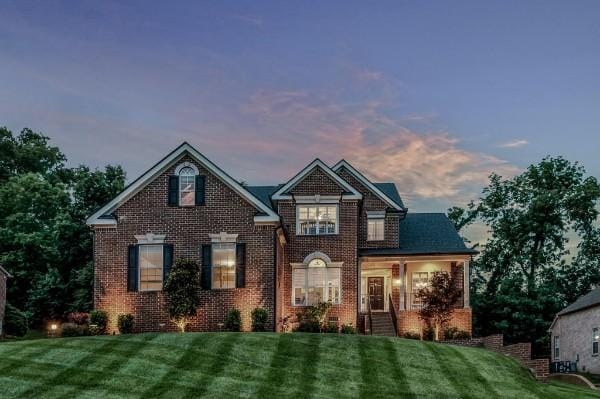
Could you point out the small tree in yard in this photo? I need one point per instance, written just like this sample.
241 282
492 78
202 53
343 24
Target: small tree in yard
438 301
183 292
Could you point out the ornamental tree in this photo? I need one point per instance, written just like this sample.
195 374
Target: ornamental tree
182 290
438 299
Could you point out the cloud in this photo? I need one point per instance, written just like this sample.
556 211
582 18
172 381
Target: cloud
255 20
514 144
429 165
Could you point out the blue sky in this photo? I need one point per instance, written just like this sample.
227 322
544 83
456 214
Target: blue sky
431 95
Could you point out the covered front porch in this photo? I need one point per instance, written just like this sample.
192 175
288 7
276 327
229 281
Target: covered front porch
390 284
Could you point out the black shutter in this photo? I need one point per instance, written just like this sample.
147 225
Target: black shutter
206 266
240 266
173 190
132 268
167 261
200 189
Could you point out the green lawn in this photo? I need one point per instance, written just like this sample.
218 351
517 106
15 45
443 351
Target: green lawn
261 365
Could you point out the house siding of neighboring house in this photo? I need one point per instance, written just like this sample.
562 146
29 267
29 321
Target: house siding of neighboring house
327 234
575 334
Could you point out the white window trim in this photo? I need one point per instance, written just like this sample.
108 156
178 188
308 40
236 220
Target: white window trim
304 265
186 165
223 237
325 291
556 339
594 340
374 217
162 254
179 191
337 219
212 269
150 238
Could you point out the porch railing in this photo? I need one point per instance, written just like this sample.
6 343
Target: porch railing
393 313
369 318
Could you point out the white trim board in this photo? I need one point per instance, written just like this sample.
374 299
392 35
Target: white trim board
317 163
137 185
366 182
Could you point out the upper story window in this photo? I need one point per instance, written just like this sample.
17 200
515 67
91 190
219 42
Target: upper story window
317 219
375 229
187 186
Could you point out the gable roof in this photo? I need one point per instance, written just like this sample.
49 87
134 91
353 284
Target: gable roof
281 193
381 190
426 234
589 300
103 217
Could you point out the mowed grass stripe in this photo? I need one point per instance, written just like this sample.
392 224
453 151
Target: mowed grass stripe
338 371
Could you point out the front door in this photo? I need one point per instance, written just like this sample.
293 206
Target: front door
376 292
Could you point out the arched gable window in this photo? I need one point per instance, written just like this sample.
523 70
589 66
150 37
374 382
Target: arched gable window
187 186
317 279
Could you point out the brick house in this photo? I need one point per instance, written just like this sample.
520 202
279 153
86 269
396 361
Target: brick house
4 275
328 234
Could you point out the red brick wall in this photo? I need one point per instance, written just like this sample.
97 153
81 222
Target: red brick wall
371 202
340 247
408 321
187 228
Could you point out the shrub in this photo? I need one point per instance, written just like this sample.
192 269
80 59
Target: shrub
460 334
125 323
348 329
428 333
233 320
99 319
73 330
411 335
450 332
312 318
78 318
259 319
332 327
15 321
183 292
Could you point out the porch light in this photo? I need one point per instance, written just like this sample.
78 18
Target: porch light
397 282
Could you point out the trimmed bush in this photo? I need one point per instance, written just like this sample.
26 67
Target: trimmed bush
411 335
73 330
348 329
455 333
15 321
260 318
125 323
99 318
233 320
331 328
428 333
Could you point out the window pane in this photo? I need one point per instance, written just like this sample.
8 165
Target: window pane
223 270
333 285
595 348
316 285
187 187
375 229
151 267
299 286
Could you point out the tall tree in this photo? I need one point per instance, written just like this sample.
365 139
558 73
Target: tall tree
530 218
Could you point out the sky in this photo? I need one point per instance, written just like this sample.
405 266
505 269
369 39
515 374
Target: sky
432 95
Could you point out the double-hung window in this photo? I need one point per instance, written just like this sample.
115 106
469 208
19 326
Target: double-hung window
595 340
223 268
187 186
151 267
375 228
317 219
316 283
556 347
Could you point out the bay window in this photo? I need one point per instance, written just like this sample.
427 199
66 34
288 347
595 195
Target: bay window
317 219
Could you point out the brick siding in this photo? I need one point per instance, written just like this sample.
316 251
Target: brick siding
187 228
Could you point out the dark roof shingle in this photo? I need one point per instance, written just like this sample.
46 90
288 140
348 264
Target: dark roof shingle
425 234
390 190
590 299
263 193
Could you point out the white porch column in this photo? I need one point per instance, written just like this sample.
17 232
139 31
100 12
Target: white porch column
402 305
466 284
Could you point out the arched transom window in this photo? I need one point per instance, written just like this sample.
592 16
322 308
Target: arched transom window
187 186
316 280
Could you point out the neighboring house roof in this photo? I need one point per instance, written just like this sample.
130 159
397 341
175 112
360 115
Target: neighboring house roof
102 216
3 270
386 193
425 234
282 192
589 300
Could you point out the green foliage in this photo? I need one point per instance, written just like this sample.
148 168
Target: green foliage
348 329
260 317
233 320
331 328
411 335
74 330
439 299
99 319
182 290
524 274
125 323
455 333
44 241
312 318
15 321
